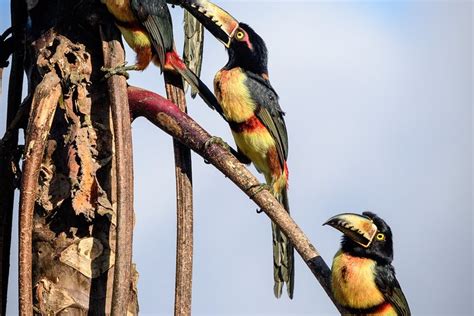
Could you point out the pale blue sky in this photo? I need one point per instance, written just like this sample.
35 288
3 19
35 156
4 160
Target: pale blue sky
378 97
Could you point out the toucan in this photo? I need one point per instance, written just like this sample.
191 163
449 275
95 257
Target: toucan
362 276
147 27
251 107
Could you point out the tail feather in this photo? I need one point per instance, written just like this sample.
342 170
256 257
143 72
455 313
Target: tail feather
283 255
193 45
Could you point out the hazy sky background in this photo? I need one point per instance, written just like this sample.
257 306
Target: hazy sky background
378 101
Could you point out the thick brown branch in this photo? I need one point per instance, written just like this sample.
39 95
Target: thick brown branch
184 207
44 105
114 56
167 116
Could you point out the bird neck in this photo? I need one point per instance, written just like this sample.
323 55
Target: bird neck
354 249
255 62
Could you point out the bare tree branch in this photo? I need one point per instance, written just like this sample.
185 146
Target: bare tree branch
184 206
166 116
7 157
114 56
44 105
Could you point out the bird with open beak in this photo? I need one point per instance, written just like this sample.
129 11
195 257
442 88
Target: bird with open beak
363 279
250 105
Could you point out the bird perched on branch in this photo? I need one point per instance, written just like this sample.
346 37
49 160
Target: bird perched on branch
147 27
363 278
250 105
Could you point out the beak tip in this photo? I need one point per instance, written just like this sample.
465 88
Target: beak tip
217 21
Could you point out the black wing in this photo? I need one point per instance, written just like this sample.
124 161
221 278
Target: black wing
155 16
269 111
387 283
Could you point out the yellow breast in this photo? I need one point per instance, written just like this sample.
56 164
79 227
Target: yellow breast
353 282
120 9
133 33
233 95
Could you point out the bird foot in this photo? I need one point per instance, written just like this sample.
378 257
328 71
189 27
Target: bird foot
216 140
118 70
257 188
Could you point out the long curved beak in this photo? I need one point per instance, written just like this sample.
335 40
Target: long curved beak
215 19
359 228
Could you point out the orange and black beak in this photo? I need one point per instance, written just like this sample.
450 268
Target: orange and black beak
361 229
215 19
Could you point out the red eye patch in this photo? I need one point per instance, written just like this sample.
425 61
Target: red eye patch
247 41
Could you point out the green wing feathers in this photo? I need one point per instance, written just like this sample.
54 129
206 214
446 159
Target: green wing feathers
193 45
283 256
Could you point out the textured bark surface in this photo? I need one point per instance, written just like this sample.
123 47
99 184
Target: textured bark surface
114 56
70 194
184 207
43 108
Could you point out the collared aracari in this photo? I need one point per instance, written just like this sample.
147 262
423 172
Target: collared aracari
363 278
147 27
250 105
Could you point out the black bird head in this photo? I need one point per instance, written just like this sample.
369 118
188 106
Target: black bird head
365 235
245 47
247 50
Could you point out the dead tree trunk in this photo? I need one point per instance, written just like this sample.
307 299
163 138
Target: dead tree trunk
9 151
69 190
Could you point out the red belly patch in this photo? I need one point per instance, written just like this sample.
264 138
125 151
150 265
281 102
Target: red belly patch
252 124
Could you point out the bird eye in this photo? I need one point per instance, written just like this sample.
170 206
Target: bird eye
380 236
240 35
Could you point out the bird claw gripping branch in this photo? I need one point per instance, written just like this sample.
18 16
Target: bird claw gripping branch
121 70
216 140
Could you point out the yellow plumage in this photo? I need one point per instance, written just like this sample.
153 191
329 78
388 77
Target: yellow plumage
255 146
353 283
120 9
238 106
233 95
135 37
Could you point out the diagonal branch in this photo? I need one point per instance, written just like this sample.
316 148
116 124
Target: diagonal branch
44 105
167 116
114 56
184 206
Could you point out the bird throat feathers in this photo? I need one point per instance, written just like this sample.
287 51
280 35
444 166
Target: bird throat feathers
353 281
